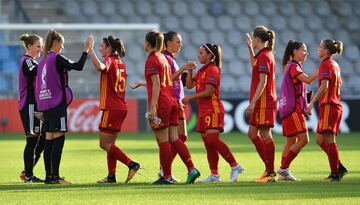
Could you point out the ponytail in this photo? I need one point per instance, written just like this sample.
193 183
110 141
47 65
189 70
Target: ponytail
51 37
215 50
156 40
265 35
289 51
333 46
29 39
116 44
271 41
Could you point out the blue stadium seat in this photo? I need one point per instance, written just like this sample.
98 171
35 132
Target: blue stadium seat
243 23
251 8
304 8
268 8
171 23
198 8
287 8
162 8
126 8
233 8
225 23
235 38
228 52
236 68
198 38
216 8
189 23
207 23
144 8
217 37
180 8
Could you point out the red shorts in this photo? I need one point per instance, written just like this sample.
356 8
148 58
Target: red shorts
181 109
263 117
329 118
210 121
112 120
294 124
168 115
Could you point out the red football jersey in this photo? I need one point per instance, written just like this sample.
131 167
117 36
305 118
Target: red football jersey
112 84
330 70
157 64
264 63
209 74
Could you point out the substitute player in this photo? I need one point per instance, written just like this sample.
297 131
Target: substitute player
112 104
211 110
53 95
35 139
292 105
330 106
162 104
263 100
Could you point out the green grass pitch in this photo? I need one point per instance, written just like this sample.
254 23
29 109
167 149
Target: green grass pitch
83 163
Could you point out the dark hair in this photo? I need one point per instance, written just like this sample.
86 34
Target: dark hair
29 39
289 51
156 40
116 44
265 35
333 46
51 37
169 36
216 51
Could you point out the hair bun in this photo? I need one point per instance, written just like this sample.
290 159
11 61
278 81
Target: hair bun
24 37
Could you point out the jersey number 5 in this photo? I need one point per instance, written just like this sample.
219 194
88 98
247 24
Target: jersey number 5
120 80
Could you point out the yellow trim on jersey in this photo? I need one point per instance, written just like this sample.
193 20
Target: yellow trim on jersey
262 115
326 117
215 120
105 118
297 121
215 103
103 90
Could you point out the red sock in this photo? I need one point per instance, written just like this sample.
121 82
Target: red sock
333 157
325 149
111 162
260 147
183 137
184 153
215 141
212 157
165 160
283 159
289 158
270 155
119 155
173 153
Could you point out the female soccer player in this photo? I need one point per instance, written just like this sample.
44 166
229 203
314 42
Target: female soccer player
330 106
211 110
35 139
263 100
112 103
162 104
53 95
292 105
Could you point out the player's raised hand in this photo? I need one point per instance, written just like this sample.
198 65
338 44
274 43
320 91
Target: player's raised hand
249 40
89 43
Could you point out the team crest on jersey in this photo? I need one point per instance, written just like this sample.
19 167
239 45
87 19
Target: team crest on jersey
263 67
151 69
212 79
325 73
